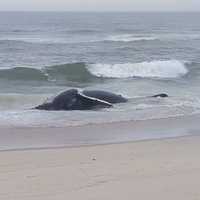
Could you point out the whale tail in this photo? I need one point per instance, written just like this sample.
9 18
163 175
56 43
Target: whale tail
162 95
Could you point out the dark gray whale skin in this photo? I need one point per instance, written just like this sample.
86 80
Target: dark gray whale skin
87 100
162 95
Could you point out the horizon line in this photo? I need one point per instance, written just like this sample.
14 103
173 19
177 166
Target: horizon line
103 11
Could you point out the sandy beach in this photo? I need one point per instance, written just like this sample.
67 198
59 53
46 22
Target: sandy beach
156 169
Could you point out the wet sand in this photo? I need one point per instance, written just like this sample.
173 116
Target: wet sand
93 134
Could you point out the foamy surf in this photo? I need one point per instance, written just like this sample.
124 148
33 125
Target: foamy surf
157 69
151 37
130 38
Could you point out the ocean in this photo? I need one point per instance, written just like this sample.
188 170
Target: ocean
133 54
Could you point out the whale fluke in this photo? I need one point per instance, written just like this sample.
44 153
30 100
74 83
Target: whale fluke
162 95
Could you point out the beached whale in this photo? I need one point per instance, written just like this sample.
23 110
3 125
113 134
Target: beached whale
86 100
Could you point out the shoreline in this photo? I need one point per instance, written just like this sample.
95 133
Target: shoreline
156 169
98 134
98 145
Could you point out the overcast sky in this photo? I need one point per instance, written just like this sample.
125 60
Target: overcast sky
100 5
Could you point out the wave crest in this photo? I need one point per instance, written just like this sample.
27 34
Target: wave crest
86 73
130 38
22 73
157 69
72 72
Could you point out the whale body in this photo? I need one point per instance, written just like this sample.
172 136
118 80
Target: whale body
86 100
73 99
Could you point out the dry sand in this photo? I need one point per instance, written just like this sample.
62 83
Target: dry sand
159 169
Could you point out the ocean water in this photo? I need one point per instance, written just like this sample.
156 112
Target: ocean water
133 54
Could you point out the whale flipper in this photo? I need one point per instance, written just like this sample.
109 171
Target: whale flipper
105 96
87 102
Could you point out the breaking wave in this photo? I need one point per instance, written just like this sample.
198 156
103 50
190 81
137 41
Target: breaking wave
73 72
22 73
157 69
83 73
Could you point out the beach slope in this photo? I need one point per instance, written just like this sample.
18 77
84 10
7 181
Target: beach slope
157 169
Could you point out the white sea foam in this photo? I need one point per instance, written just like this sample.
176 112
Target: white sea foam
92 38
151 37
159 69
129 38
32 39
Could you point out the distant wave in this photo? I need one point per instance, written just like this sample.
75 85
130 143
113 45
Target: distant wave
31 40
157 69
83 72
35 40
151 37
88 37
129 38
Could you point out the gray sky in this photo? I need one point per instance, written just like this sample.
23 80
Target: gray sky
101 5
